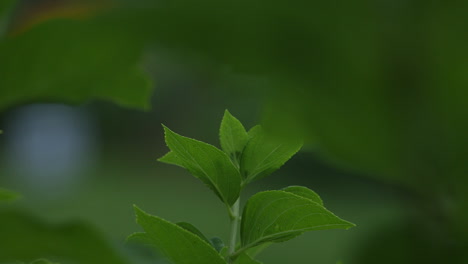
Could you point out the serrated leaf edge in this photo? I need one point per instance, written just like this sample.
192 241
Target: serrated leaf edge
303 230
217 190
140 211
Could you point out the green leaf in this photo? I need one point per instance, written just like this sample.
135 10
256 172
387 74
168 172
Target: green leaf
6 195
276 216
209 164
264 154
255 131
176 243
304 192
232 136
191 228
246 259
171 158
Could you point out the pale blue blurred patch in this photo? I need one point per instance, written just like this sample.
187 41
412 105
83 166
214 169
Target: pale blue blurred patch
49 147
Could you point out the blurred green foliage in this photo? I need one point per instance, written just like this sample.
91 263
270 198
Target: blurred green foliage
74 60
26 238
42 261
6 195
378 87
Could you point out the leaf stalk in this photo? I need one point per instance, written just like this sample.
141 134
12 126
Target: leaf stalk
235 218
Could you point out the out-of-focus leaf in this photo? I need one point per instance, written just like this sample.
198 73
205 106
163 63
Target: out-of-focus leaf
6 7
209 164
6 195
277 216
43 261
264 154
217 243
176 243
233 137
380 94
25 238
75 60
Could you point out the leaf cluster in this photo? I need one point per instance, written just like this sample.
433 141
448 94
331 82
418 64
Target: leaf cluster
267 217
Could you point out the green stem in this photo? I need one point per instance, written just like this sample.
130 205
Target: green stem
235 217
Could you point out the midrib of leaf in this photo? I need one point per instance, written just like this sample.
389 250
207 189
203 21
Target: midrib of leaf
231 138
215 184
262 211
232 144
256 168
295 196
258 241
278 216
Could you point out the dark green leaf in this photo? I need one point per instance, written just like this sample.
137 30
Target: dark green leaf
217 243
233 137
304 192
177 244
276 216
264 154
75 60
209 164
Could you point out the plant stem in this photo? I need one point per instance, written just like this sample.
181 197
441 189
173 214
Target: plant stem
235 217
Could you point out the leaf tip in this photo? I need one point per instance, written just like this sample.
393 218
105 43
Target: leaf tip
350 225
137 210
227 114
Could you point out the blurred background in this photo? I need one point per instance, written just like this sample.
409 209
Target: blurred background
377 89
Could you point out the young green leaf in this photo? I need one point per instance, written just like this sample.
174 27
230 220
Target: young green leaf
304 192
206 162
176 243
264 154
276 216
217 243
6 195
232 136
246 259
